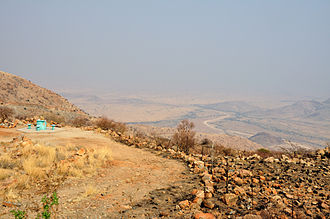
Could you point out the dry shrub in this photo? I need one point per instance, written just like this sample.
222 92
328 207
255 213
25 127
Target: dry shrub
22 182
222 150
139 134
21 117
109 124
80 121
60 154
75 172
11 195
205 148
263 152
71 147
38 156
63 168
7 162
160 140
38 159
30 166
55 117
295 150
5 112
102 154
95 159
78 163
44 158
184 137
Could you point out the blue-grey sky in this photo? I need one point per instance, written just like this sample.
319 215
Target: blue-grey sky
271 47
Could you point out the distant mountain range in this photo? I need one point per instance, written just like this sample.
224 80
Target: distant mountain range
302 109
305 122
266 139
231 106
309 109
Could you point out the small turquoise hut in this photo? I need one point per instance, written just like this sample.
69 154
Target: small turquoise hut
41 125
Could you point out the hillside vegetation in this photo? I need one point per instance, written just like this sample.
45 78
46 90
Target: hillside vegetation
28 99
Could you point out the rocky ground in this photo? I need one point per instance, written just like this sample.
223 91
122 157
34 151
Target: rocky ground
149 180
291 185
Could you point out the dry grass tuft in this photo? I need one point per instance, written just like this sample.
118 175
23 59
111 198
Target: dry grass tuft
4 174
7 162
11 195
30 166
27 165
102 155
63 167
90 190
22 182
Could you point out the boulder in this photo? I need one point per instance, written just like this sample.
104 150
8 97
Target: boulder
81 152
270 159
230 199
239 191
252 216
245 173
208 203
202 215
184 204
238 181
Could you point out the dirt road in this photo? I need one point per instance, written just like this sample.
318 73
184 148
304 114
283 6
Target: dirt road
206 122
132 177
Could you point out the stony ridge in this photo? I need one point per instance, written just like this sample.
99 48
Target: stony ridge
245 186
17 91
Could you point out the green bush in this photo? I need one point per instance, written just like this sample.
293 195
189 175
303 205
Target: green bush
18 214
47 208
263 150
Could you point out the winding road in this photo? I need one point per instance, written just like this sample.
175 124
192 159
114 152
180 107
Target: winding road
228 132
207 122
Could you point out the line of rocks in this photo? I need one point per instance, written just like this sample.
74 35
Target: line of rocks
250 186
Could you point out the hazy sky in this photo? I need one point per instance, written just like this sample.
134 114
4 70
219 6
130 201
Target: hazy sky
270 47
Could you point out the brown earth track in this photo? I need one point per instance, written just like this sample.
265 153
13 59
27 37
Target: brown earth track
134 176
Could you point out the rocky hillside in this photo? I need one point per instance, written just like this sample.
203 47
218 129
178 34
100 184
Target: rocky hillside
27 98
242 185
311 109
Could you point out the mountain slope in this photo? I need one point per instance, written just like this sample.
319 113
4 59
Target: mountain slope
26 97
266 139
327 101
302 109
